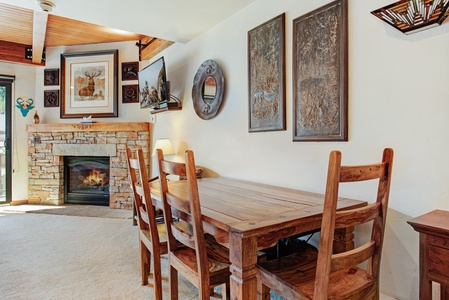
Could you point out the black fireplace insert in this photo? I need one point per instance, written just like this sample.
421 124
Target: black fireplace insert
86 180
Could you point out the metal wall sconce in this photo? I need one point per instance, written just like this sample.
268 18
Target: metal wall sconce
410 16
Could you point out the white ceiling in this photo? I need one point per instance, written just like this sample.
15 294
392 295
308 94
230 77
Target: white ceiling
174 20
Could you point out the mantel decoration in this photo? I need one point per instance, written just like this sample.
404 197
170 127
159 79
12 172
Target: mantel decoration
89 84
266 72
320 74
410 16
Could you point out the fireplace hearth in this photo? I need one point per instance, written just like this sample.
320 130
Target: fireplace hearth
86 180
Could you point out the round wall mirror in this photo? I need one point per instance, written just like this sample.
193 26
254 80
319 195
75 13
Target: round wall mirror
207 91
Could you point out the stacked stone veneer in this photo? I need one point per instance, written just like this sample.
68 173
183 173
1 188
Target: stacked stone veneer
49 143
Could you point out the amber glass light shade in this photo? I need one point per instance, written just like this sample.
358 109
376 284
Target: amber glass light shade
410 16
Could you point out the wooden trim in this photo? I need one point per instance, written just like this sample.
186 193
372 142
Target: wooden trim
15 53
39 31
18 202
153 48
76 127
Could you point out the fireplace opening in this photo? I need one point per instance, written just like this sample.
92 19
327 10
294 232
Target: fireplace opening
86 180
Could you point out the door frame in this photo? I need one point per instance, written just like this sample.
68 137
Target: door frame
8 81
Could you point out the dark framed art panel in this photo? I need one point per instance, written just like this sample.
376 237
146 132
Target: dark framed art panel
51 98
130 93
130 70
89 84
266 76
320 74
51 77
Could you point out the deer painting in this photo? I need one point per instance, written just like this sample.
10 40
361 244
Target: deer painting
89 90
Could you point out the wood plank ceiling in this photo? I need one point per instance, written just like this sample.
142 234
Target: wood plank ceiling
22 28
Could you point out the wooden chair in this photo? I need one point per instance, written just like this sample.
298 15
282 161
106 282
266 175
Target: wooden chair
152 236
188 253
324 275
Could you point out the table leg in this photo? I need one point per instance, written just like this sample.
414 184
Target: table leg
444 292
243 256
344 239
425 284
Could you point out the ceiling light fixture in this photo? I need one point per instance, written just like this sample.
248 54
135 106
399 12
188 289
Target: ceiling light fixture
46 5
410 16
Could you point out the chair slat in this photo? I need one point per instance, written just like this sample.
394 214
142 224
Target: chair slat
353 217
180 204
173 168
183 236
134 163
139 189
361 173
353 257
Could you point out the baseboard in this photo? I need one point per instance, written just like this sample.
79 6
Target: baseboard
19 202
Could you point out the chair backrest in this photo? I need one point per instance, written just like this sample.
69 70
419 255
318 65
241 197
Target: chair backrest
333 219
142 198
186 203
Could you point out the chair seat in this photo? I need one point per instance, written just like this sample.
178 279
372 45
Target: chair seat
162 233
187 260
297 273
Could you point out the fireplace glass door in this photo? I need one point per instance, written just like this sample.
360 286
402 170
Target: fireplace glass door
86 180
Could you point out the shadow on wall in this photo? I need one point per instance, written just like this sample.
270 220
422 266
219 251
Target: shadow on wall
401 252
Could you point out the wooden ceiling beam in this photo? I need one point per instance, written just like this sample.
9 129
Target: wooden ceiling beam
152 46
39 31
15 53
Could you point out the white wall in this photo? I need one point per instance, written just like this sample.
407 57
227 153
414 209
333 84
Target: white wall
398 97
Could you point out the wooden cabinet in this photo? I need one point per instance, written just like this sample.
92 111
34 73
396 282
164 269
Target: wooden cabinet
433 229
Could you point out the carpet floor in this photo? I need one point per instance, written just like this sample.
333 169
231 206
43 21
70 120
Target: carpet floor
71 210
48 256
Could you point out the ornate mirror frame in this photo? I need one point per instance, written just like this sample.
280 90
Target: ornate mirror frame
207 110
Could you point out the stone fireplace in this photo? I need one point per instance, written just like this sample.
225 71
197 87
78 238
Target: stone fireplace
48 144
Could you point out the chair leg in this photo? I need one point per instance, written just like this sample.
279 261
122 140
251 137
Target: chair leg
204 291
145 263
263 292
226 291
173 281
157 278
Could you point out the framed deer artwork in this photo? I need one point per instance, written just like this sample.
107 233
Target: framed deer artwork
89 85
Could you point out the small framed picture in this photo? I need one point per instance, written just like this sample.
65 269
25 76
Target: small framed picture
130 70
51 77
130 93
51 98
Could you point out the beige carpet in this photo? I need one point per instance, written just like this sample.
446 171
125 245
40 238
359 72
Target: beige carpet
71 210
47 256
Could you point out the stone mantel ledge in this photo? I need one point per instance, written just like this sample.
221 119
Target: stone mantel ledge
86 127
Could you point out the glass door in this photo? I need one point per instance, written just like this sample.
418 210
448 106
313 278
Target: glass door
5 140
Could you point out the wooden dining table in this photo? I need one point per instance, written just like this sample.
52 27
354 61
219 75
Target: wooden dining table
247 217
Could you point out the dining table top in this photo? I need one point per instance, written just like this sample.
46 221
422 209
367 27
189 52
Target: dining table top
250 208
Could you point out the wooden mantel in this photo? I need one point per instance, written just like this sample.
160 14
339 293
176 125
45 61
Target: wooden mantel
77 127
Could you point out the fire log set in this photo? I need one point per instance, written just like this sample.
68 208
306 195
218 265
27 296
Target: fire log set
95 180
